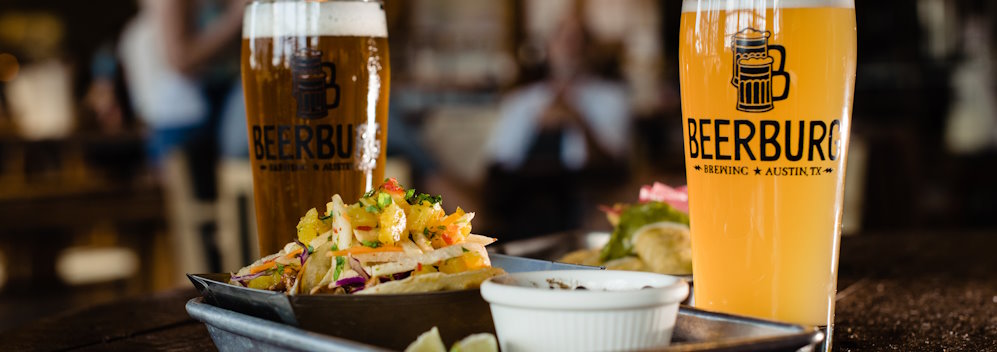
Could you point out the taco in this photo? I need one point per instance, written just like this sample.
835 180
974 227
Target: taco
651 235
390 241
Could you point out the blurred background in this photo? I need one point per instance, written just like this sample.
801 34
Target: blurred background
106 192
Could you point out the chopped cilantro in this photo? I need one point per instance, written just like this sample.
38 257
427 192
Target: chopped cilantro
325 217
371 244
371 209
340 261
311 249
422 197
383 200
441 227
280 268
425 231
409 194
334 247
464 250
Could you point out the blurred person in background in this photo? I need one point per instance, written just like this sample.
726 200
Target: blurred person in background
181 61
555 139
102 97
970 133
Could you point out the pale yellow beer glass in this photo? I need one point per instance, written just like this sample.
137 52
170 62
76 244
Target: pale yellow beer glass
766 104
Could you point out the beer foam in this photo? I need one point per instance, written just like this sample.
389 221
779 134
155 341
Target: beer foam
729 5
310 18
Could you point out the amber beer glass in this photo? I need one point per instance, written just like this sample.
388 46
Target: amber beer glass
315 77
766 108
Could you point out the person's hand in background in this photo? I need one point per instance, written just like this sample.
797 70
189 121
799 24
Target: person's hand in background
188 48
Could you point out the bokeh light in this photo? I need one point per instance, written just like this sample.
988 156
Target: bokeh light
9 67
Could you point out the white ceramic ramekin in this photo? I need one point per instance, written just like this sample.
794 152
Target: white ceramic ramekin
617 310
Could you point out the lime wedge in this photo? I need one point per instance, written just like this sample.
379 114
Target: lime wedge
476 343
429 341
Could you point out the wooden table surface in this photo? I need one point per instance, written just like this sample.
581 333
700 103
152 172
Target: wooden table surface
898 292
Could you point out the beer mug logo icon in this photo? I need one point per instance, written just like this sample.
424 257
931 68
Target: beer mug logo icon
754 70
310 82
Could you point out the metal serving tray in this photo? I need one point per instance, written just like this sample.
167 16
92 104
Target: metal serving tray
695 330
387 320
240 318
233 331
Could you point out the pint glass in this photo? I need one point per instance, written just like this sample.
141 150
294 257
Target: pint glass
766 107
315 77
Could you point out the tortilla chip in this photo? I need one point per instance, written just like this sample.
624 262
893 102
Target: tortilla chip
665 248
582 257
627 263
479 239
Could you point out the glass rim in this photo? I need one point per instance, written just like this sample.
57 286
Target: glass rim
275 1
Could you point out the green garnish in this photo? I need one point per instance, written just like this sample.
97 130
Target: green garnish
369 193
371 244
422 197
325 217
464 249
310 249
372 209
340 261
425 231
280 268
409 193
383 200
634 217
441 227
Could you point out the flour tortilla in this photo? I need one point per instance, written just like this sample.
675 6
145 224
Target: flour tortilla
432 282
411 263
664 247
317 271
